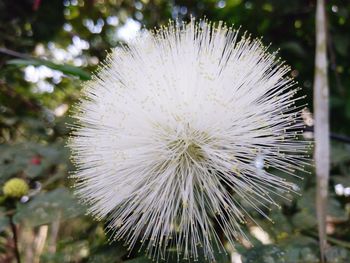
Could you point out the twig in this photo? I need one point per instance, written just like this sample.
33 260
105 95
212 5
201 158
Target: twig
11 93
13 53
341 138
15 239
39 242
331 240
334 136
333 61
54 234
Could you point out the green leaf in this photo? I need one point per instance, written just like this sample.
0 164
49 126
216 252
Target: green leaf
172 257
16 159
66 69
220 257
341 179
300 249
294 47
304 220
139 260
342 44
48 207
4 220
339 154
337 255
12 161
58 257
264 254
306 217
107 254
336 210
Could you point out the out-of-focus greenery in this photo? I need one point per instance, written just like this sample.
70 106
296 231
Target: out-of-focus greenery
48 47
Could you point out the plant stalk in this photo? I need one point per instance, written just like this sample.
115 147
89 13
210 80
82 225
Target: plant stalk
15 238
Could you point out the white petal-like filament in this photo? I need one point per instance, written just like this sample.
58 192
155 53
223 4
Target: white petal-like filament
178 133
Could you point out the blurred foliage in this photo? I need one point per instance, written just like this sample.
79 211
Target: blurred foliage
47 48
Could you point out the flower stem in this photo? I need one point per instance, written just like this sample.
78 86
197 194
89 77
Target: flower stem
15 239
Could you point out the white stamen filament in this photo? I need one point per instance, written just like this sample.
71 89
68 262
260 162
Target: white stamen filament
180 127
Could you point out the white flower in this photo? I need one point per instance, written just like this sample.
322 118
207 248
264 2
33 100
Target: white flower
175 133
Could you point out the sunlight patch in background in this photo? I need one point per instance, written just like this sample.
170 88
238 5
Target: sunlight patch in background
129 30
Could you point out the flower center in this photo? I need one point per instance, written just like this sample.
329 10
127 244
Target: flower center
187 150
195 152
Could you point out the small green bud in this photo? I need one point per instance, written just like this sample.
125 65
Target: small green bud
15 188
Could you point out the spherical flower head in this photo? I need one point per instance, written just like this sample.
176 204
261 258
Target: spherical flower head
15 188
180 132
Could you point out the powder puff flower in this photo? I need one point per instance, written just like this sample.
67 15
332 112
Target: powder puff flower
180 132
